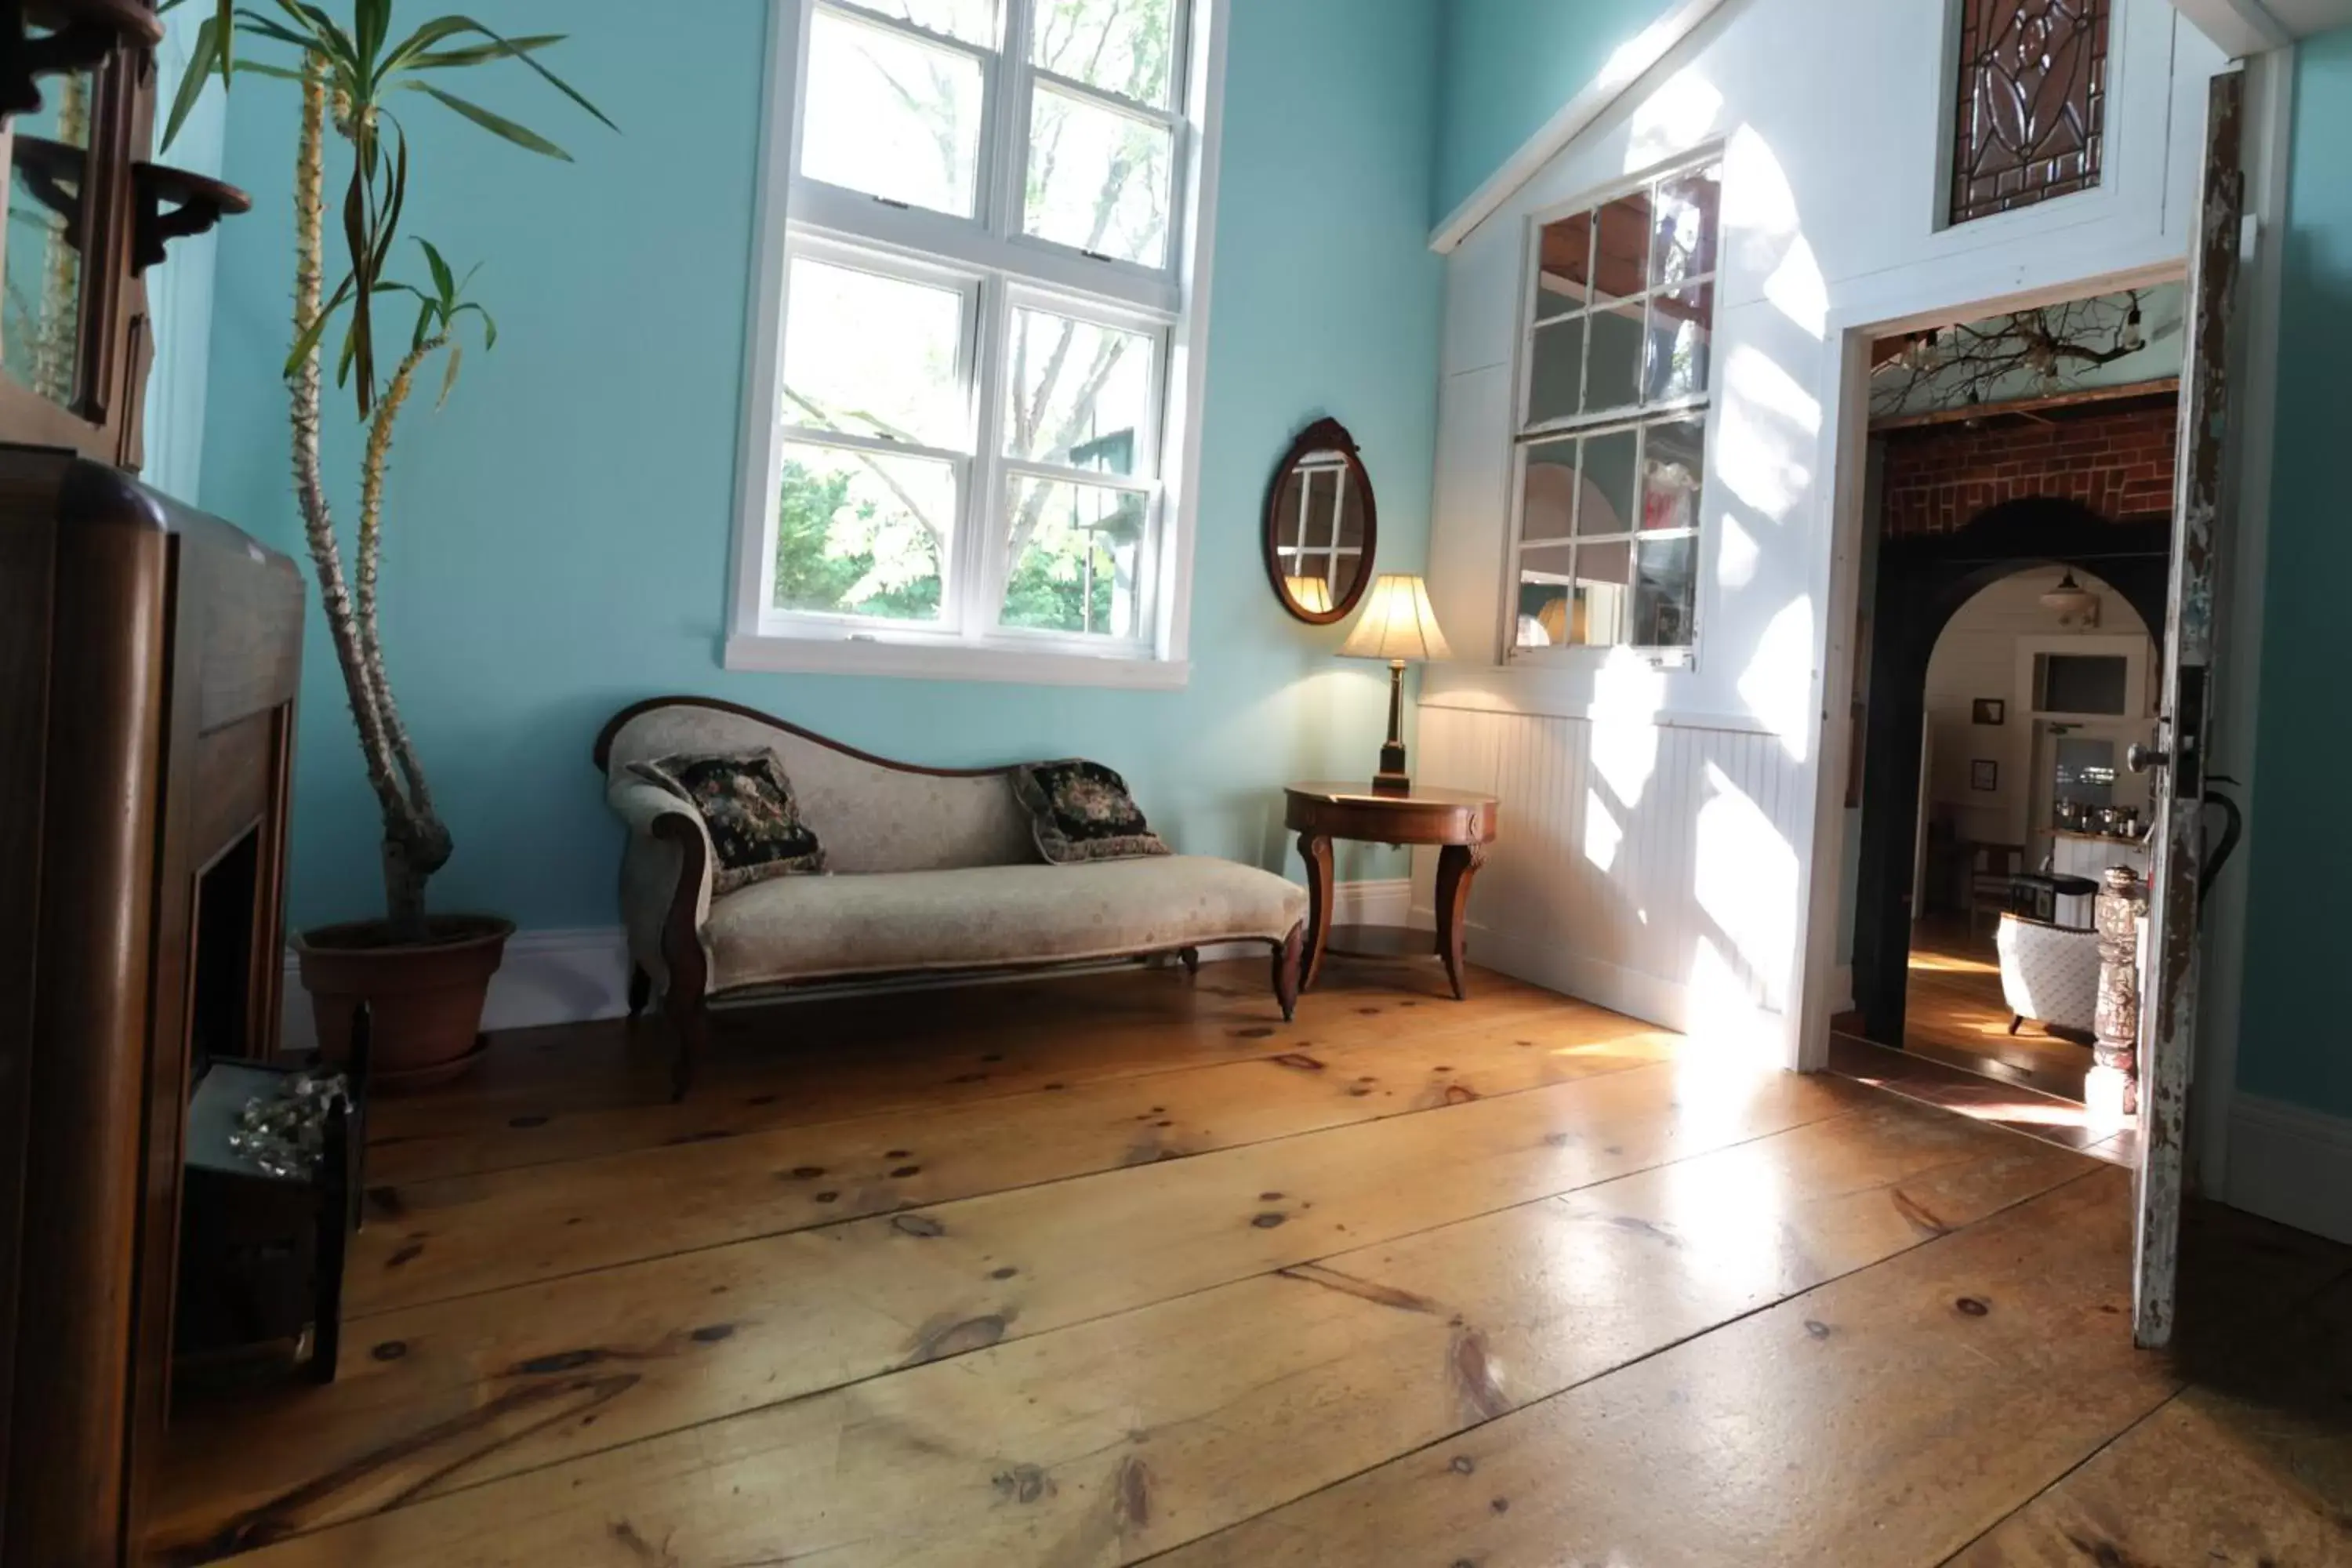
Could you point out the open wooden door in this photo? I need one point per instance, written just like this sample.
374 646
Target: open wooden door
2169 962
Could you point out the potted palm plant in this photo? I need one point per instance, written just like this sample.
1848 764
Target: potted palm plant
423 975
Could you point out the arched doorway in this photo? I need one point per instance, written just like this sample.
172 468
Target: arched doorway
1922 583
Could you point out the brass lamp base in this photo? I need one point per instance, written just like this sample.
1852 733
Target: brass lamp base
1392 779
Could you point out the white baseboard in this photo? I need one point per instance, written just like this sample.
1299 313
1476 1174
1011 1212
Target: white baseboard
572 976
1745 1028
2290 1164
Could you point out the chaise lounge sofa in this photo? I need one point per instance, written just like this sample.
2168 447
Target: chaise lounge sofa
929 871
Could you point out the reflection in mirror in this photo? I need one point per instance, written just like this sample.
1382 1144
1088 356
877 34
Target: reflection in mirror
40 316
1320 526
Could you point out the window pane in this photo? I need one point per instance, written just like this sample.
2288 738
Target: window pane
873 356
1555 378
1099 180
1673 467
1078 556
862 533
1605 496
1664 588
891 116
1620 267
1119 45
1681 329
1564 268
1545 589
1596 609
1613 377
1548 493
40 312
1079 392
973 21
1684 227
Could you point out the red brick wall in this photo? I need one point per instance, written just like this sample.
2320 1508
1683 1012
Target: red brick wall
2116 462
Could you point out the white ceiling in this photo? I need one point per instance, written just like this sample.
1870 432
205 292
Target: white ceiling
2249 26
2305 17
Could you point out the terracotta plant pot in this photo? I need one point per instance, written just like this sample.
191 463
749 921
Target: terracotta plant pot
424 999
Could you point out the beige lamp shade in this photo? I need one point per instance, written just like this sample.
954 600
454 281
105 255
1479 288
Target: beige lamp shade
1397 623
1312 594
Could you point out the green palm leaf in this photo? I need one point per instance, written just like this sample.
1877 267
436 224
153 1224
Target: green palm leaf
497 124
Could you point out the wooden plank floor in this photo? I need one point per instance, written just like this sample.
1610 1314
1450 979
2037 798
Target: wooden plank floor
1119 1268
1954 1012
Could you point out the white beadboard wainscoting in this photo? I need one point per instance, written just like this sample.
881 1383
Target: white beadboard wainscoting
573 976
1643 865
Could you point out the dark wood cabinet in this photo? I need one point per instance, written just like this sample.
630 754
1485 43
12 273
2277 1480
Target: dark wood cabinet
148 656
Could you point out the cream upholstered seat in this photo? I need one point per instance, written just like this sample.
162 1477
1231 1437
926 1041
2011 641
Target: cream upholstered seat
2049 972
985 916
931 870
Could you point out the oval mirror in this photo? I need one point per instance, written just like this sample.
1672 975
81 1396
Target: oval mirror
1321 526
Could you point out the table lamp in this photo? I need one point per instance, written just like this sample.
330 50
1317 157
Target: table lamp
1398 626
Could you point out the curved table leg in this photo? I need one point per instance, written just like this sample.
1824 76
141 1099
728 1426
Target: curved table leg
1315 848
1457 866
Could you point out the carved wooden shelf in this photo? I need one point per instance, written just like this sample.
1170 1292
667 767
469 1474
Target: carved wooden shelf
78 34
197 202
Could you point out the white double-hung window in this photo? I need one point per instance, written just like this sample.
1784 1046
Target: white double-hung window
973 411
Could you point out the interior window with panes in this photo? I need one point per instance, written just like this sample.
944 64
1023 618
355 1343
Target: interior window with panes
980 301
1612 431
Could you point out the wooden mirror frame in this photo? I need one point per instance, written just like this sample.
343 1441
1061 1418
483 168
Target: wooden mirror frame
1323 435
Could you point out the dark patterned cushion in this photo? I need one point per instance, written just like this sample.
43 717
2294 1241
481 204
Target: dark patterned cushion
1081 811
747 804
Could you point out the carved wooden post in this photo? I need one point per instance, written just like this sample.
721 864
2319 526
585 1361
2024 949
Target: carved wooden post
2111 1090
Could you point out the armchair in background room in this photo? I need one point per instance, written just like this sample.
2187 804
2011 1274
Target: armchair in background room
2049 974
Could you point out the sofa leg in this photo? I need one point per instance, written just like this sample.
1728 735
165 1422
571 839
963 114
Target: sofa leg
691 1019
641 990
2015 1021
1287 956
1189 957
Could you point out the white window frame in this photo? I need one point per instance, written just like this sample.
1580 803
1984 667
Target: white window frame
1001 268
1639 417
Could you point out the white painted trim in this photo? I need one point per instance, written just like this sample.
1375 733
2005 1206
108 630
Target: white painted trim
753 640
1632 61
2270 79
2290 1164
1540 701
2237 27
952 661
560 976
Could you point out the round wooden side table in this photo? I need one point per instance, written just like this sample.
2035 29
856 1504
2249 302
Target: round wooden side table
1460 822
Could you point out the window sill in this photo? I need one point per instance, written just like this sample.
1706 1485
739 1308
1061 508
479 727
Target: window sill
1587 655
1020 666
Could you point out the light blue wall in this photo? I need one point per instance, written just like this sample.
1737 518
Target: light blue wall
2293 1043
180 292
560 536
1506 68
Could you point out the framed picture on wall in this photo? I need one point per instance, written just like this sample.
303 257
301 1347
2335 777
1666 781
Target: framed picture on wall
1991 710
1984 773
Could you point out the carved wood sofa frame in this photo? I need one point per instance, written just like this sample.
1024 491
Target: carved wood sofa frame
687 994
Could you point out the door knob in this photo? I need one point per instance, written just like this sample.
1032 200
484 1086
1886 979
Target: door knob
2139 759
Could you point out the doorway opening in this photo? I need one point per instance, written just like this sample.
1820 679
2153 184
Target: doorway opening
2035 691
2011 617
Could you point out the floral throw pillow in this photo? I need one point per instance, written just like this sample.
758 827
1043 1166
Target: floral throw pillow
1081 811
747 804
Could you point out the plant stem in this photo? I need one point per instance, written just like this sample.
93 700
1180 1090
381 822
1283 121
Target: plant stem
415 843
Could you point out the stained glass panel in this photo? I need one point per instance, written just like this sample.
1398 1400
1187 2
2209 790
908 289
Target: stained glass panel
2033 102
